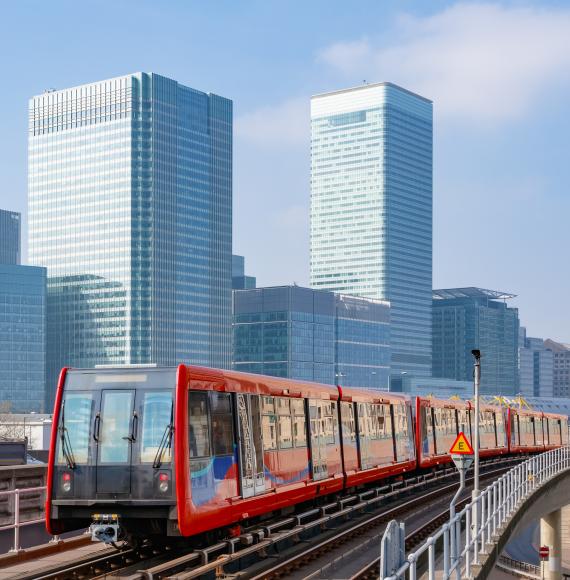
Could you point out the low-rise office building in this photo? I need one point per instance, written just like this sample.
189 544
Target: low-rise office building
312 335
474 318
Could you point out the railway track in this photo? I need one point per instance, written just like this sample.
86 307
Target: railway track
290 542
365 539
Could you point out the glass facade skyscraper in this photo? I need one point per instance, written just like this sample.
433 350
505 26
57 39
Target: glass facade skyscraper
536 367
130 209
312 335
22 338
474 318
371 209
10 231
239 280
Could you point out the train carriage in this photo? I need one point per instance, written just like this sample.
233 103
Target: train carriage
525 430
378 435
556 430
438 422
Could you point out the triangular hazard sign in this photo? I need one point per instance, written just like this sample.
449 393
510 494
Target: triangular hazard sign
461 446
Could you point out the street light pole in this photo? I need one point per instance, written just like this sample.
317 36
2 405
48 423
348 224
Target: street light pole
477 379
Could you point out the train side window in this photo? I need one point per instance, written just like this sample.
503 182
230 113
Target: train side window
387 423
299 422
348 426
222 423
332 420
269 423
199 425
564 431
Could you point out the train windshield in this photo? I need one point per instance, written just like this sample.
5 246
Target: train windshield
117 417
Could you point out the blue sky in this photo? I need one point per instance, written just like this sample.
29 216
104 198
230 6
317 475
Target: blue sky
498 73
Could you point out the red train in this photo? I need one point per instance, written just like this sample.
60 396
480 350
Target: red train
184 451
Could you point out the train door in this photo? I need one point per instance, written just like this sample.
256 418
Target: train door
318 440
250 445
114 434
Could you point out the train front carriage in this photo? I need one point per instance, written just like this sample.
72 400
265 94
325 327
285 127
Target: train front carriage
111 452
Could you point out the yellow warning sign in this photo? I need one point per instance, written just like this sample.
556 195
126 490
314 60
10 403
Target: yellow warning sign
461 446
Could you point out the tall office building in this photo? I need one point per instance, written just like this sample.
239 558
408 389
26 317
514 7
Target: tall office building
371 209
312 335
561 371
22 338
536 366
130 209
474 318
239 280
10 228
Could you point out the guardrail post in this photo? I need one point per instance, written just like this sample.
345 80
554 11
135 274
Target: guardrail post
482 524
495 505
457 527
431 557
16 546
488 527
468 543
413 566
445 551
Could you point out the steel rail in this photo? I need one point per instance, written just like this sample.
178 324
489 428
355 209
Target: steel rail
296 561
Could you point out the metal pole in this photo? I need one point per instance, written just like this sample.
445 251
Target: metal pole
475 493
452 531
16 520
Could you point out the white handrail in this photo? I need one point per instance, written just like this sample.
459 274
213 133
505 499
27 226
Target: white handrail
488 512
18 523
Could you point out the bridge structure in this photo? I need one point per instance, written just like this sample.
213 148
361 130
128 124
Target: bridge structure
470 544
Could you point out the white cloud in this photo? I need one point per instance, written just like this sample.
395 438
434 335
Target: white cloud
284 124
484 62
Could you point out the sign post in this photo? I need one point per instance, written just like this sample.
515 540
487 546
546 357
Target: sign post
462 455
544 553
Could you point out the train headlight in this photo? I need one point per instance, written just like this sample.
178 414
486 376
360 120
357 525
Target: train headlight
66 482
163 482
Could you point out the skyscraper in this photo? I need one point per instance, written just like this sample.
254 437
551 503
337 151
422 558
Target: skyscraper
239 280
371 209
536 366
10 237
130 209
22 338
561 373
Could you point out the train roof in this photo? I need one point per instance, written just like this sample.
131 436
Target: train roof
236 381
371 395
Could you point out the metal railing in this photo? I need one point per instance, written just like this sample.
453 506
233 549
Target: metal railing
18 522
481 518
519 568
